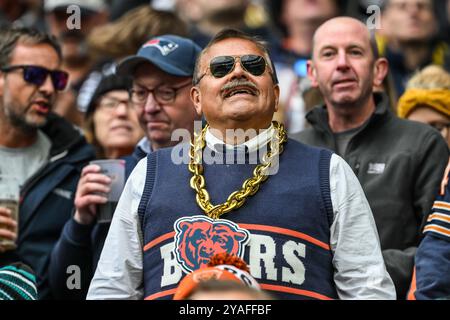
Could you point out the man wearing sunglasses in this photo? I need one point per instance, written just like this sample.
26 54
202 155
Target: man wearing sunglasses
297 215
41 150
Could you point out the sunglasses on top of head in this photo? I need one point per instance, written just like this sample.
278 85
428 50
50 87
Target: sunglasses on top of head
222 65
37 75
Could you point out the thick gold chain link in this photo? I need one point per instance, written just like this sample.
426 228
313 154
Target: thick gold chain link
249 187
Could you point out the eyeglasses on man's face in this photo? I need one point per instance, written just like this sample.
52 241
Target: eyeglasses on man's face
37 75
162 94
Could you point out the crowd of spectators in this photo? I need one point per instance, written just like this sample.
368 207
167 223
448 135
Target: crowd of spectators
77 77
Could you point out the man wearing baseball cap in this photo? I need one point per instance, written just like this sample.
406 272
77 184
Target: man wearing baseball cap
162 73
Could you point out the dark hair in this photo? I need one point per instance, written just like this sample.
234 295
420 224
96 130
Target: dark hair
234 34
11 36
107 83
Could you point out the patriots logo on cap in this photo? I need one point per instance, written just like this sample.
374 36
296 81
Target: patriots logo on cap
163 45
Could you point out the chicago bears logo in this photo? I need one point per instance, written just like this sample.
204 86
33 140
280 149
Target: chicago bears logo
198 238
163 45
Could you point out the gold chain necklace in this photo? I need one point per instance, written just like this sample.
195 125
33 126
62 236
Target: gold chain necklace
249 187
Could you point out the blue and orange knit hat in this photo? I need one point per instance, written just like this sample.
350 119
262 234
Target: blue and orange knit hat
221 267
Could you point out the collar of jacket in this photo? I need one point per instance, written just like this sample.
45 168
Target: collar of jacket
62 134
318 116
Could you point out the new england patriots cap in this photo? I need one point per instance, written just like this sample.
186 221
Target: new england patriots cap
172 54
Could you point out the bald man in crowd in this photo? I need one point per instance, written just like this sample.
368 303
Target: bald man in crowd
399 163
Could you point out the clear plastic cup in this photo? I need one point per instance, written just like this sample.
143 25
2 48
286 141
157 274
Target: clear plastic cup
115 169
9 198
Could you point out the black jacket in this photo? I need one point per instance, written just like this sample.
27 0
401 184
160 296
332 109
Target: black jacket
81 245
399 164
47 199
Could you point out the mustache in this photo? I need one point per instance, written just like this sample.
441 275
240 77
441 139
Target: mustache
238 83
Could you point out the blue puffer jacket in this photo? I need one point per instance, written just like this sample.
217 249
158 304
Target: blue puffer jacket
47 200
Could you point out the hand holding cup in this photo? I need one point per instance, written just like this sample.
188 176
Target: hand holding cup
9 212
100 185
8 229
92 190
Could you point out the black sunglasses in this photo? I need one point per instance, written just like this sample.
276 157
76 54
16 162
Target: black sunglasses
223 65
37 75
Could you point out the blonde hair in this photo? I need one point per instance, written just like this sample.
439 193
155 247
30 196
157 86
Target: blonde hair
430 88
125 36
431 77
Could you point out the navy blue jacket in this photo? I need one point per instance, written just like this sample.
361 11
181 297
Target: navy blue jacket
81 245
432 261
47 200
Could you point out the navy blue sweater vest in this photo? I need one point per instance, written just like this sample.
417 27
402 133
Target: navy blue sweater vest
282 232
